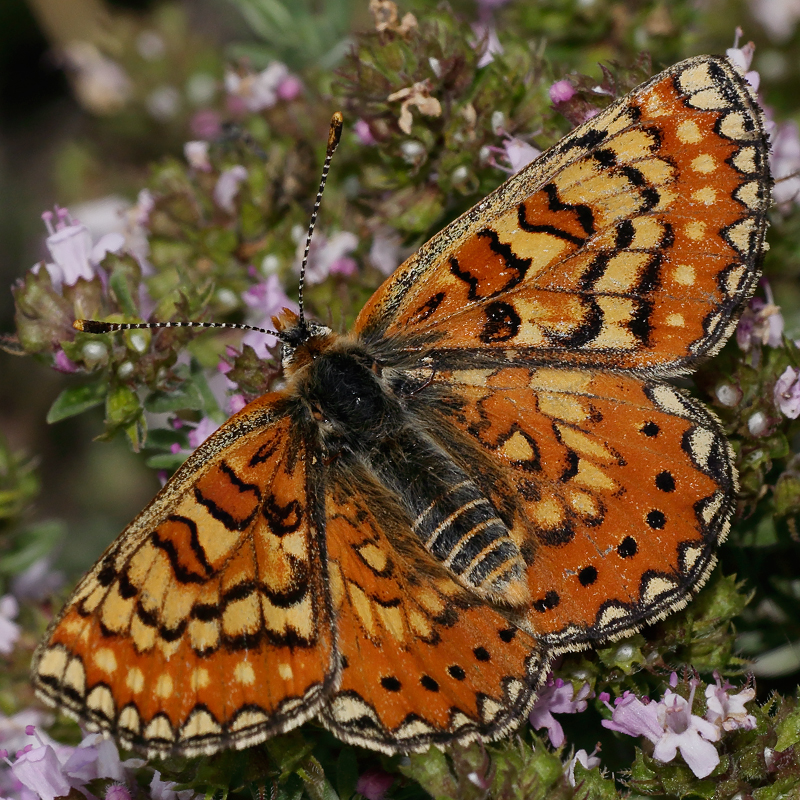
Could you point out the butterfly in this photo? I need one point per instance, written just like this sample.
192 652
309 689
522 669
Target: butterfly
490 469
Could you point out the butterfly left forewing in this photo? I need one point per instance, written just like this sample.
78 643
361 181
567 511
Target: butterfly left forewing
628 245
207 623
424 660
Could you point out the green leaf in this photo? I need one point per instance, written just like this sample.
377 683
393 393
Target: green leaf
119 285
167 461
788 730
76 400
187 396
122 406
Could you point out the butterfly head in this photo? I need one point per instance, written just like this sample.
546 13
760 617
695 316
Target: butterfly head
302 340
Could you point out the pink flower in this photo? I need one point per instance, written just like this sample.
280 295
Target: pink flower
727 711
328 256
266 299
561 92
364 132
519 153
290 87
787 393
40 771
196 154
384 254
761 323
228 187
51 770
71 248
117 791
556 697
670 726
487 44
633 717
585 760
202 431
374 783
742 57
785 162
63 363
14 730
260 90
162 790
236 403
9 630
38 581
779 17
206 124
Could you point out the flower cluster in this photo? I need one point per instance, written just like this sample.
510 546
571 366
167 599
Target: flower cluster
671 726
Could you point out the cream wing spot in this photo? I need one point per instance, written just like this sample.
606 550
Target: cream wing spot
244 673
707 196
675 320
684 274
249 718
164 686
285 671
203 635
105 660
75 676
159 728
705 164
101 701
199 678
53 663
134 680
689 132
656 587
129 720
690 556
200 723
696 78
695 230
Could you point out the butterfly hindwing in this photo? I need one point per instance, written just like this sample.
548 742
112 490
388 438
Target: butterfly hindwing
207 623
628 245
424 660
620 490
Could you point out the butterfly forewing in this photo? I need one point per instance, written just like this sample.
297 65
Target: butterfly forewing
629 245
207 624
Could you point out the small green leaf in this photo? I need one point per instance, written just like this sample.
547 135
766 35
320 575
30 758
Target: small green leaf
122 406
76 400
187 396
788 730
167 461
119 285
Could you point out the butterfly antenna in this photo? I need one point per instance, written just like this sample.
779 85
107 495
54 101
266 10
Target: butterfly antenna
334 135
94 326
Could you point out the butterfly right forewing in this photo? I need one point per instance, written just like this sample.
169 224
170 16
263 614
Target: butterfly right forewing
628 245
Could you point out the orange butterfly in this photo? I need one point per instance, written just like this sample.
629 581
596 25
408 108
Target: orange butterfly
490 469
